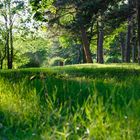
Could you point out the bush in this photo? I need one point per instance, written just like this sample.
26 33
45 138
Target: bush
56 61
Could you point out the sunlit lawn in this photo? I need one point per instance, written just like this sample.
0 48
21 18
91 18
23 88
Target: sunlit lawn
81 102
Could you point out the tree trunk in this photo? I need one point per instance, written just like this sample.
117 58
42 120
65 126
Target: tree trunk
122 47
2 56
8 52
128 42
10 39
134 52
86 46
7 41
138 19
79 54
97 41
0 60
1 64
128 36
84 57
7 36
134 43
100 43
11 48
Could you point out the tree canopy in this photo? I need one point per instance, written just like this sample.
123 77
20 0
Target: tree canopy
81 31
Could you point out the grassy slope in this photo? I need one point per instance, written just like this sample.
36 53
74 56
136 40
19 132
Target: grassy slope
73 102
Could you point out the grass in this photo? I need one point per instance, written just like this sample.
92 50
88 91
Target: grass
82 102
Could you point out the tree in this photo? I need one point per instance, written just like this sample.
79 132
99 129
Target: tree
122 43
138 20
76 16
10 11
134 41
100 40
128 36
86 19
2 45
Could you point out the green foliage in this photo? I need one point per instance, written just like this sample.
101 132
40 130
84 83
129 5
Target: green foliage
56 61
34 52
67 49
114 36
72 15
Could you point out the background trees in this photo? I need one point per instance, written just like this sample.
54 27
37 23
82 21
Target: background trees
75 31
9 13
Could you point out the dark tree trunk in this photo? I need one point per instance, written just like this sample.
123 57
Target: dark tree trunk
97 41
84 57
134 52
7 42
100 41
1 64
128 42
86 46
79 55
134 43
61 63
122 47
11 49
138 19
11 41
128 36
9 36
8 51
3 55
1 60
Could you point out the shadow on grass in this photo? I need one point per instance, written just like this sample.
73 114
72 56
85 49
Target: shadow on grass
59 97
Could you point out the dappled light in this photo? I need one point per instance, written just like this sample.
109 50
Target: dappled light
69 108
69 69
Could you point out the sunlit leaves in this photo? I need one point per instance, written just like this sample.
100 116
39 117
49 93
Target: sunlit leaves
111 38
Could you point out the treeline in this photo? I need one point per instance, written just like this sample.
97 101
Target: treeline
89 21
78 31
10 12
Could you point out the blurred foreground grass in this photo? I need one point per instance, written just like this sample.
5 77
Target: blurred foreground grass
81 102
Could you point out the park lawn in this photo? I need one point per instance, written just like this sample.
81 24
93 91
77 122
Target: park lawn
79 102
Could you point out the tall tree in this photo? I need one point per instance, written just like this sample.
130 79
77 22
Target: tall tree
100 38
128 36
134 41
10 10
122 43
138 19
82 15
